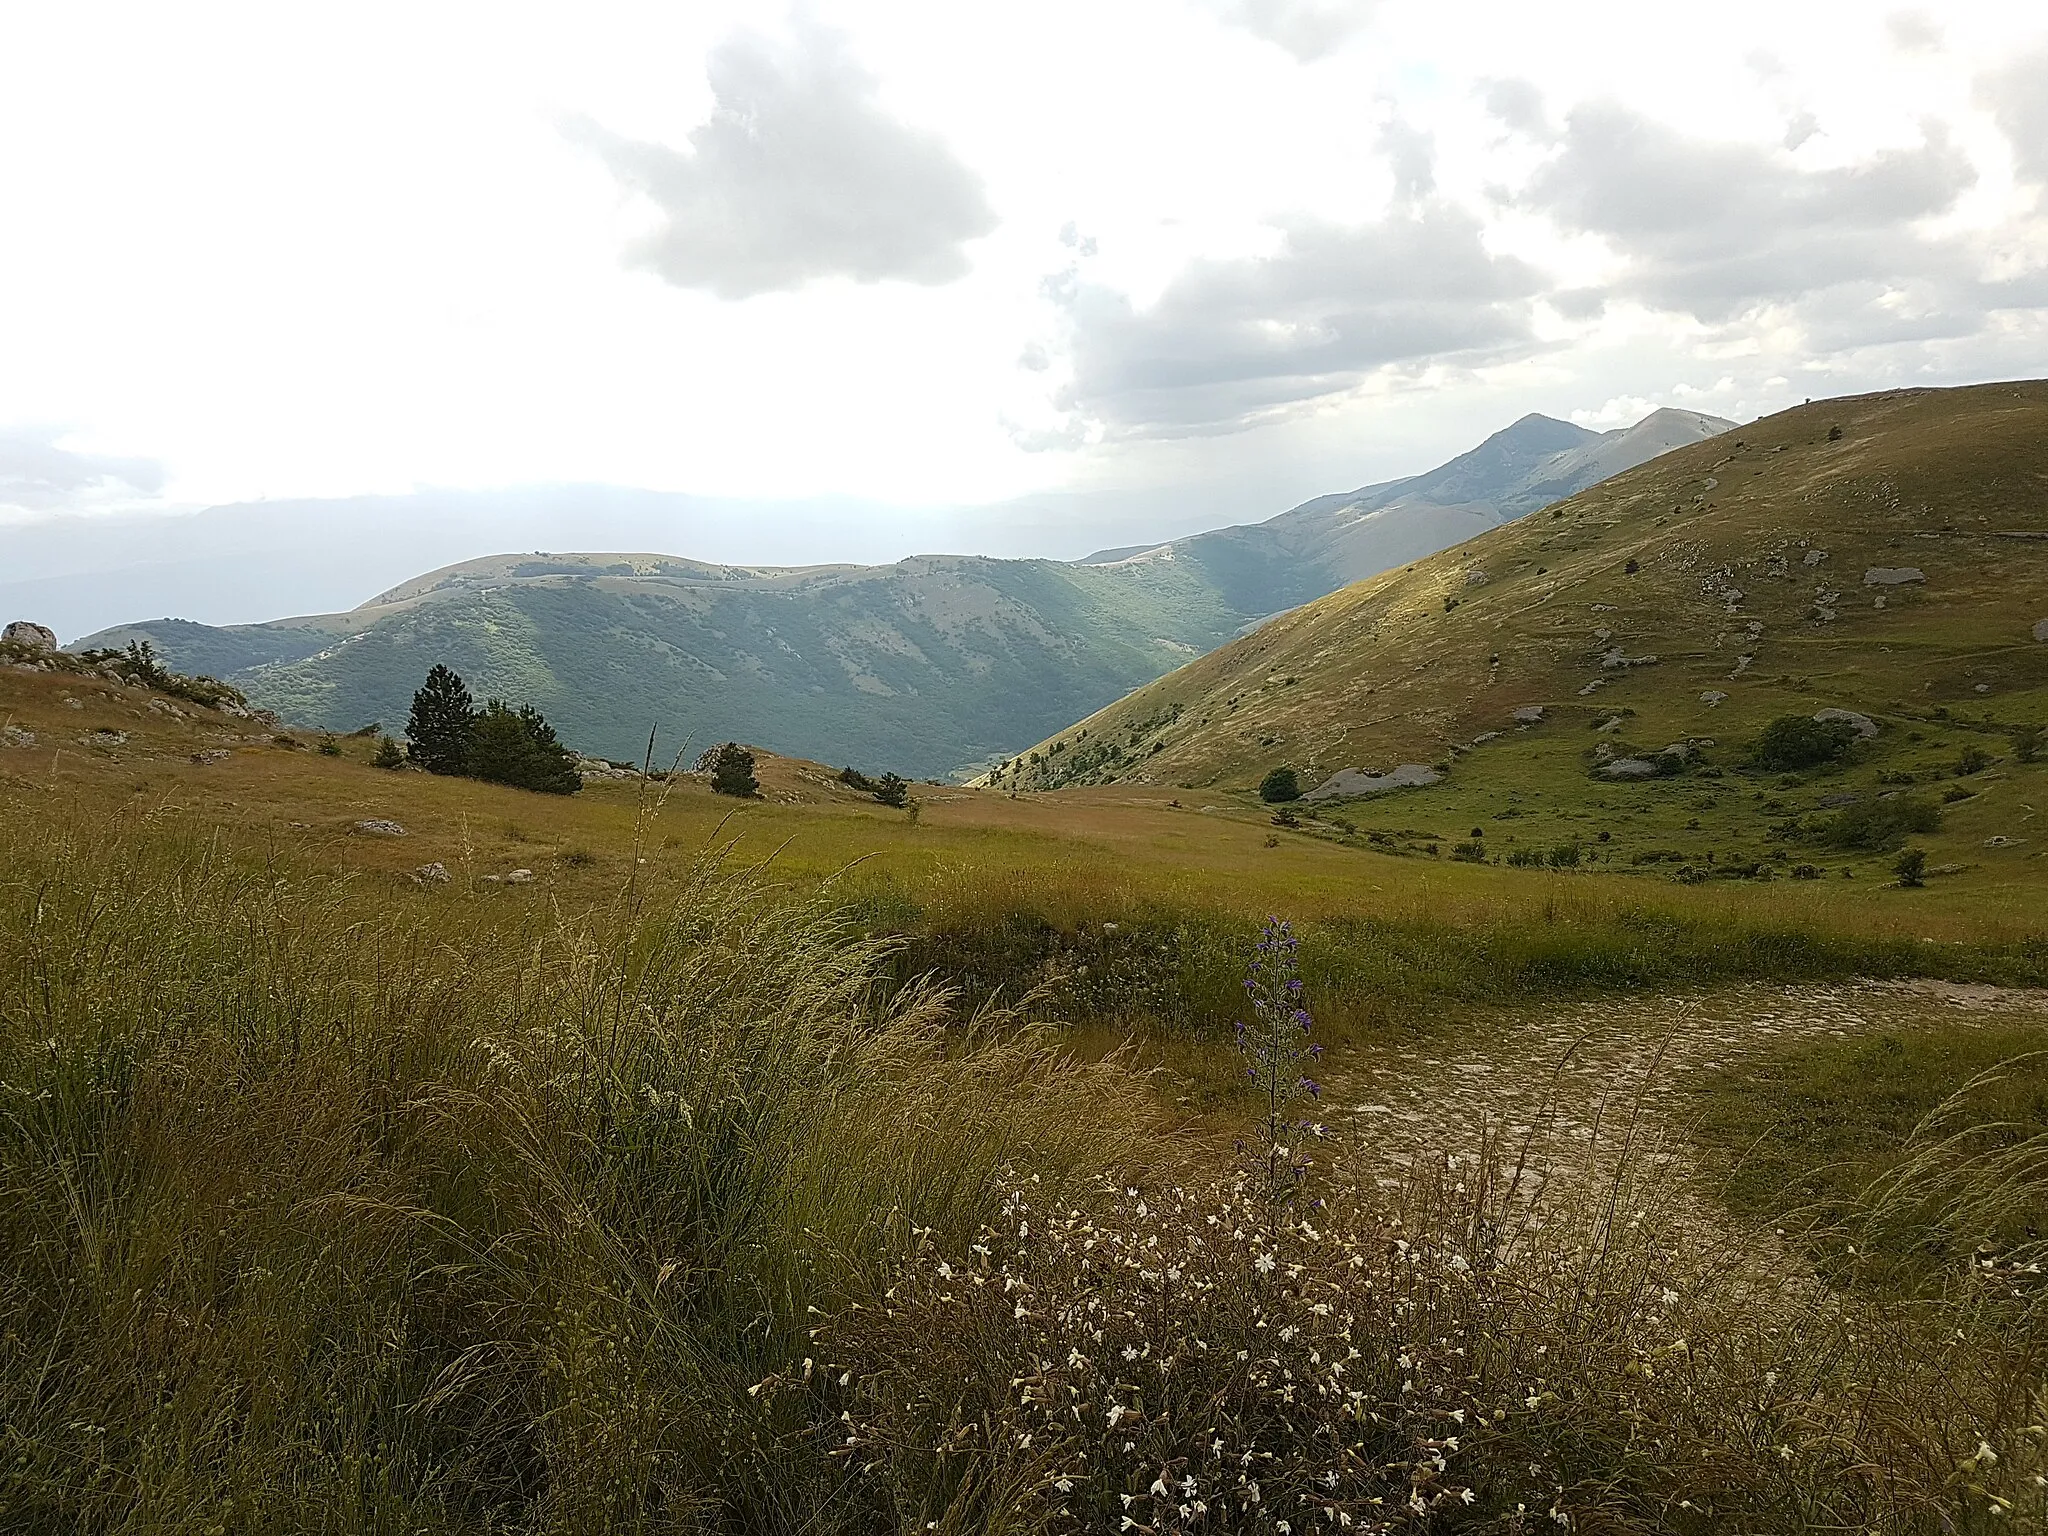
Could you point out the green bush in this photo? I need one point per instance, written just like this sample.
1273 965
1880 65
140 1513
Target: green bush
1974 759
1278 785
1876 826
388 755
1792 742
732 771
893 791
1911 867
518 748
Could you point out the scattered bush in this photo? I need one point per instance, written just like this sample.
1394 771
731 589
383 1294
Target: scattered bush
518 748
1974 759
732 771
2026 743
1911 867
388 755
853 778
1525 858
1805 872
1792 742
329 747
1564 856
1469 853
1875 826
892 790
1279 785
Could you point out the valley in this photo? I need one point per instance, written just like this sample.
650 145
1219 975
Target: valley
556 1157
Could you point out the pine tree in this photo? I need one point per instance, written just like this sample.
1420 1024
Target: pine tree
893 791
732 771
519 748
388 755
442 727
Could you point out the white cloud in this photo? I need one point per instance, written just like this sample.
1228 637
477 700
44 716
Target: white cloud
800 174
39 474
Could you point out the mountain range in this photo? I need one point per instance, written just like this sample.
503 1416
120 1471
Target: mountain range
1883 554
931 665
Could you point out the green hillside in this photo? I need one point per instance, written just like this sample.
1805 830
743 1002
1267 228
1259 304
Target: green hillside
929 666
1886 554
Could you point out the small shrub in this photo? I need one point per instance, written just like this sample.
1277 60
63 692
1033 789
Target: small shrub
1834 434
518 748
1911 867
1791 742
732 771
853 778
1956 792
1469 853
1564 856
388 755
893 791
329 747
1525 858
2026 743
1876 826
1286 817
1805 872
1279 785
1973 760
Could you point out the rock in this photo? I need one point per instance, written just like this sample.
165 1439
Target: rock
15 736
1476 578
1829 802
1353 781
518 876
71 703
1528 714
1946 869
106 738
1712 697
1614 660
379 828
2041 630
1629 768
165 707
29 635
1485 736
432 874
1815 556
1866 728
1611 723
1892 575
212 755
2000 840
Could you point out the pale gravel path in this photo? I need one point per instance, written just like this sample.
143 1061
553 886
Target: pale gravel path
1392 1102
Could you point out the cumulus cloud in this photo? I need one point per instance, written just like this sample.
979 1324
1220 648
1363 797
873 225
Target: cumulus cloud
799 174
1518 104
1231 343
1716 229
1308 29
38 474
2018 99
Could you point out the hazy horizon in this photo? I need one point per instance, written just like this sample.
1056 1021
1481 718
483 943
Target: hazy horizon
850 282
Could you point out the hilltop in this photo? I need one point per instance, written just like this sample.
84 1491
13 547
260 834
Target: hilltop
1886 554
928 666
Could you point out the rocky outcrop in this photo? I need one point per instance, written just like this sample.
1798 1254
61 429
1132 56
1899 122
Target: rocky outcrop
29 635
1351 782
1866 728
1893 575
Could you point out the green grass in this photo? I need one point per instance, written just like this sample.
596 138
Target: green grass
1852 1141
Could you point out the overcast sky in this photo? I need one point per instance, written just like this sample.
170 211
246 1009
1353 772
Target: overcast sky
944 254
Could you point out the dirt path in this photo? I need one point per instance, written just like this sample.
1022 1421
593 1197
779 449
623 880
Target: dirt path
1394 1102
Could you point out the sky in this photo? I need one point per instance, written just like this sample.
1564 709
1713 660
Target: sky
883 275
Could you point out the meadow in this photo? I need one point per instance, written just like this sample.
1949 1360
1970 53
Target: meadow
801 1165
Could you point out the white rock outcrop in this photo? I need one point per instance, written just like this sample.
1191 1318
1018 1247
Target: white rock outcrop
28 633
1893 575
1349 782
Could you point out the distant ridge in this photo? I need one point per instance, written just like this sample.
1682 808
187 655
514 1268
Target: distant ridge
934 665
1882 553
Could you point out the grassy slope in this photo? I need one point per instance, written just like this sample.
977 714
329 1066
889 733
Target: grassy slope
1383 672
1001 893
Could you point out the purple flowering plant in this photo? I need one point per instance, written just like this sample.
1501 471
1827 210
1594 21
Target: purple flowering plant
1277 1051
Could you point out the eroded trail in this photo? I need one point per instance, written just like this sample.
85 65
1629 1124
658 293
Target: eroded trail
1560 1076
